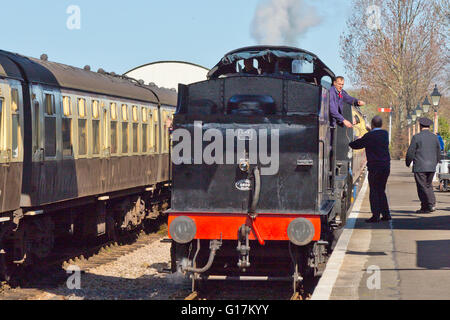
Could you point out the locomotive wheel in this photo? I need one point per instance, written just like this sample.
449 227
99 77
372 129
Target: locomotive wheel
111 229
5 269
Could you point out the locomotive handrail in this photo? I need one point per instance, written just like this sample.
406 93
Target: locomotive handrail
257 192
323 167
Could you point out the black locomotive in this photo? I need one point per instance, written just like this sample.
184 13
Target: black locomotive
82 154
257 192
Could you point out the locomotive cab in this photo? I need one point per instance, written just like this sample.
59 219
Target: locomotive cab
251 168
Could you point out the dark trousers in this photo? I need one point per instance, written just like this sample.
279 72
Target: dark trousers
378 201
424 182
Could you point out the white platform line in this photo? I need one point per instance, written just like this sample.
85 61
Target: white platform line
325 286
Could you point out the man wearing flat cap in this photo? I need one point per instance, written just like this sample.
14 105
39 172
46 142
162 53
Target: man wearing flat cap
424 151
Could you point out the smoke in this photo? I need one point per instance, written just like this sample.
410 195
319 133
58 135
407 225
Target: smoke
282 22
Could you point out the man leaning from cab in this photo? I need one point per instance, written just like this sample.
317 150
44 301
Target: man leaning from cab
337 98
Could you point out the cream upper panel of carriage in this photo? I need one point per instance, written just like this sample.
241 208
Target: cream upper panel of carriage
11 121
69 124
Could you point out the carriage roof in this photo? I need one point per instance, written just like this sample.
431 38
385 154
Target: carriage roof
64 76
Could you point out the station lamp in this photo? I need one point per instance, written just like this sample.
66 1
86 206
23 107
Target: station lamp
418 110
435 96
426 105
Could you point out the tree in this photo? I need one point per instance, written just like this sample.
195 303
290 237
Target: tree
444 131
395 50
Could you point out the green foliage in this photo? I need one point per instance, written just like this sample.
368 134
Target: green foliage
444 130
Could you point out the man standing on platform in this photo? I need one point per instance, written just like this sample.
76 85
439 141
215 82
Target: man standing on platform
425 152
376 143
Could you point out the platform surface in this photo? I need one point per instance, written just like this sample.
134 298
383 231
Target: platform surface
406 258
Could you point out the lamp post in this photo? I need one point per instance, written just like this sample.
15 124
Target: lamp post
435 98
418 111
414 117
409 121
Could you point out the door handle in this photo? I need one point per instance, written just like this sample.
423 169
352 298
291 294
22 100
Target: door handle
7 158
107 152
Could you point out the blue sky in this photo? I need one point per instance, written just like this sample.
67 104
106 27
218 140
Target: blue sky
120 35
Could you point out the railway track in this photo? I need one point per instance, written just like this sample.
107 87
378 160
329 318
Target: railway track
31 283
254 290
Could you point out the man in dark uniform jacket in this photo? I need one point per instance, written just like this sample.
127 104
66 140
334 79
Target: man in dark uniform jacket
425 152
376 143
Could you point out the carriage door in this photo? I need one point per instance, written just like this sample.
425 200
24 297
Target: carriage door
37 140
4 157
11 151
106 144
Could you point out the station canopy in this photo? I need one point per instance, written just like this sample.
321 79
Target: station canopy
168 74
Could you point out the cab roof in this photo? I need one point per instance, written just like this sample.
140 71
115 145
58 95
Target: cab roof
268 52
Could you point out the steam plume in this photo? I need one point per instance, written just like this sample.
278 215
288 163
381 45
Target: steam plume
282 22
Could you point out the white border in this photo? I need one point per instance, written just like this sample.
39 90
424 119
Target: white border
327 281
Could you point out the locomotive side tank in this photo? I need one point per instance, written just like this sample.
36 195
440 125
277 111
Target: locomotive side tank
252 169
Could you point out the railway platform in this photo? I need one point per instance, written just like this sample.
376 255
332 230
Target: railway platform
407 258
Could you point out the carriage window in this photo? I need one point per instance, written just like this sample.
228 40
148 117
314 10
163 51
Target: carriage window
66 127
37 127
105 127
82 128
165 133
49 104
114 132
135 129
125 128
95 127
50 126
1 123
16 132
155 131
151 138
135 137
67 107
144 130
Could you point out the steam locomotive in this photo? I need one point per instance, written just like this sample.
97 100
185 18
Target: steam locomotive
257 189
82 155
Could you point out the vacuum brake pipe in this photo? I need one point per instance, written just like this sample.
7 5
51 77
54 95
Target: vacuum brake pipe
254 204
